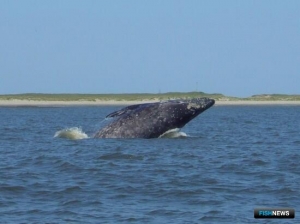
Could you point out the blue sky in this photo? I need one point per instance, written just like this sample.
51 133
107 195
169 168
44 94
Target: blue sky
238 48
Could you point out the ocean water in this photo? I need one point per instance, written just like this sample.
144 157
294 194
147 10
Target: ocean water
232 160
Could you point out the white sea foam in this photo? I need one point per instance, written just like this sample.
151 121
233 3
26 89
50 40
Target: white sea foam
71 133
75 133
173 133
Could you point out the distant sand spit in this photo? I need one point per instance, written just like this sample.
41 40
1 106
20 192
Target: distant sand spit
16 103
67 103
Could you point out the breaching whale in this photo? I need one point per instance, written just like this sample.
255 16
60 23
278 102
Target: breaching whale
151 120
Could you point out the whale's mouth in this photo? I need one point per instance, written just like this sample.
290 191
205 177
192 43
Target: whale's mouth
209 102
200 103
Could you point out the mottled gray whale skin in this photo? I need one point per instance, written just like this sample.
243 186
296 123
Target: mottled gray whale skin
151 120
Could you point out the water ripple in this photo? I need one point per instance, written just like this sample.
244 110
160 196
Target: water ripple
238 158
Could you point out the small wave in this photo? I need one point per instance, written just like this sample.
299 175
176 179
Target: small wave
71 133
173 133
114 156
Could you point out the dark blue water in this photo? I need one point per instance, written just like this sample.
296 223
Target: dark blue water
235 158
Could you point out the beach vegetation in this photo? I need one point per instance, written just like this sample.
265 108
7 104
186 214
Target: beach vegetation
144 97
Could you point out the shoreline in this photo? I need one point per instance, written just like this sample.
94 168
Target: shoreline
34 103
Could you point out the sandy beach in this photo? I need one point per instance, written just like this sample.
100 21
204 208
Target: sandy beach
17 103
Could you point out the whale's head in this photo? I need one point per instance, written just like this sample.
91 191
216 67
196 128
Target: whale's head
180 112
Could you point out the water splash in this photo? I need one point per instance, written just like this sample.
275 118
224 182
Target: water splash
173 133
76 133
73 133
